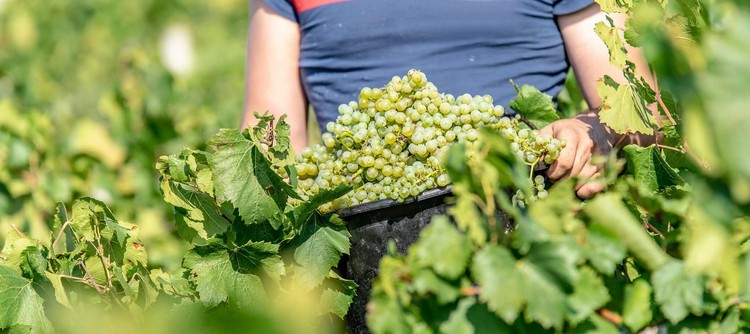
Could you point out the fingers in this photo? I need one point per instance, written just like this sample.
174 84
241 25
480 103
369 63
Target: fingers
573 157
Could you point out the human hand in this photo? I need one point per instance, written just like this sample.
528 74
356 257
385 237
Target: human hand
586 138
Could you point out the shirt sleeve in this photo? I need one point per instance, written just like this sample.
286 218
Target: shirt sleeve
564 7
283 8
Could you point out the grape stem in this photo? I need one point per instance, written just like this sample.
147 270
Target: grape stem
522 119
532 167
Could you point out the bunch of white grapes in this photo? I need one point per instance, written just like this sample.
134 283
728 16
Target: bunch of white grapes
389 143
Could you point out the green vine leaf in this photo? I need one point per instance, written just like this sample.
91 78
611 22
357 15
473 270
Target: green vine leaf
471 317
650 169
623 109
677 292
243 176
536 284
318 247
609 211
22 306
443 248
615 6
637 312
338 294
589 294
199 211
534 105
234 275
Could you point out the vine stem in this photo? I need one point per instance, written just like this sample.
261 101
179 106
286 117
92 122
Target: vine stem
670 148
62 231
91 277
661 101
610 316
471 291
655 230
15 228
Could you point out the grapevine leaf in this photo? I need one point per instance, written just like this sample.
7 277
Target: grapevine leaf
189 230
722 132
615 6
443 248
303 212
270 180
257 232
468 218
636 312
33 264
623 109
338 294
470 317
677 292
589 295
385 315
457 322
507 284
649 168
60 295
205 181
238 167
631 34
200 211
455 163
611 37
22 306
319 247
12 252
233 275
609 211
282 150
178 168
90 214
426 282
603 249
555 213
596 325
65 243
534 105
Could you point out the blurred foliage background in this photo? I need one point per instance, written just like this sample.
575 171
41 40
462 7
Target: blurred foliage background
93 91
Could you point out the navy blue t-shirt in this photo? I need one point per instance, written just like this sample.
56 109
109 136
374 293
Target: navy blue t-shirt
462 46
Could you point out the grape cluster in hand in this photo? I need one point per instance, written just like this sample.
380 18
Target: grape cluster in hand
389 143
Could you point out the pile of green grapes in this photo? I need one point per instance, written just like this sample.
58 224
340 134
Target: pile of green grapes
389 144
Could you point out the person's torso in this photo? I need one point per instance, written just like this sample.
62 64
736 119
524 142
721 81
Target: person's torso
463 46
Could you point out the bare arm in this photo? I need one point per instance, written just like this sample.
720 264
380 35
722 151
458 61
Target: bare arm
589 56
272 80
585 135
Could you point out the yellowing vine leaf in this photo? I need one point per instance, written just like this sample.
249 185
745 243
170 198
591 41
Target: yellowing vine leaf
623 109
611 37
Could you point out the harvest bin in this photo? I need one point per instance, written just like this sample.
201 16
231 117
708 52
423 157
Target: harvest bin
371 226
